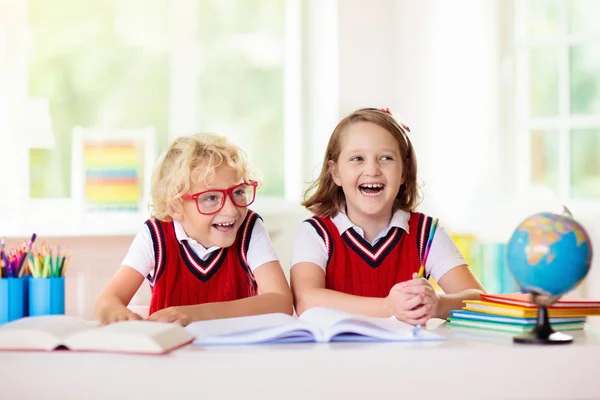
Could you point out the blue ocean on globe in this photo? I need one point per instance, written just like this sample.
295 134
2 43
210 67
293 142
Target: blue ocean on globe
549 254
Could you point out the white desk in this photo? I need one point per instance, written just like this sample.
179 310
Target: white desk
490 368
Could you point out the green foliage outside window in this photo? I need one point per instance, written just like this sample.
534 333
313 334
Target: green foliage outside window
106 64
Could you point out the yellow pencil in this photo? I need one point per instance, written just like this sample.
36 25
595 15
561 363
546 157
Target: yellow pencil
38 266
31 267
46 269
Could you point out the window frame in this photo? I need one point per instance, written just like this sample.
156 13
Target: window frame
564 122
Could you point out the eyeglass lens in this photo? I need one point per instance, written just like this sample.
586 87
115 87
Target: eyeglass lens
212 201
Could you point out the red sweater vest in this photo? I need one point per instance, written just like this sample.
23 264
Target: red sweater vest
181 278
355 267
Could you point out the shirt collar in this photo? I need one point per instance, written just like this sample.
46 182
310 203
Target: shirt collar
399 219
181 236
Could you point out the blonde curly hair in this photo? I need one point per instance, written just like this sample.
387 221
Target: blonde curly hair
189 160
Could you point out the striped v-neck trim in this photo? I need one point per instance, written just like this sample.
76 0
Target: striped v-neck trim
203 269
159 249
324 233
246 231
373 254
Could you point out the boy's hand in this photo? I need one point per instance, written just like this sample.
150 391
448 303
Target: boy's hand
172 314
118 313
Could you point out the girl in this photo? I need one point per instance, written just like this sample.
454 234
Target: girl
204 253
362 249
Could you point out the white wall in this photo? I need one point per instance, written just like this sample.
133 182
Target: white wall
367 59
13 154
437 64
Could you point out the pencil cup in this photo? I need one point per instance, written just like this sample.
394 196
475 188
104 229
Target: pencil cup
47 296
13 298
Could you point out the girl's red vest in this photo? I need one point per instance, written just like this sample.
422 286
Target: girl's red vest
355 267
181 278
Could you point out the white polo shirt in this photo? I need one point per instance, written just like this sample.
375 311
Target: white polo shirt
308 246
141 252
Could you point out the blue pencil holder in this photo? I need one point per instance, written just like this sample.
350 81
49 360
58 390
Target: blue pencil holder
46 296
13 298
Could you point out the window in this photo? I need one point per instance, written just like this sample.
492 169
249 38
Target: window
97 71
557 97
196 66
178 67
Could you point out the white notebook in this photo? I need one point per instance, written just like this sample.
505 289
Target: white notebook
317 324
57 331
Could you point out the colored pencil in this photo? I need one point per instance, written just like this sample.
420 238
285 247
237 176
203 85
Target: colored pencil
432 230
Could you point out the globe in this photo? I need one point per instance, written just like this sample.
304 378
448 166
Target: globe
549 254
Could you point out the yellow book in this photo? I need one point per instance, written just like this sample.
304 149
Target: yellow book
525 312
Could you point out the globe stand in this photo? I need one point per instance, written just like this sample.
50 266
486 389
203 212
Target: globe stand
543 333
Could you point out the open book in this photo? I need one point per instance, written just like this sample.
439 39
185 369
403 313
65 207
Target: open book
317 324
60 331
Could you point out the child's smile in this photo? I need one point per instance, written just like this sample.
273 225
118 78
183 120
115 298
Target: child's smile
225 227
371 189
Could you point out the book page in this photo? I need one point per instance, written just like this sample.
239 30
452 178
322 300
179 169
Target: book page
43 332
339 325
275 327
325 317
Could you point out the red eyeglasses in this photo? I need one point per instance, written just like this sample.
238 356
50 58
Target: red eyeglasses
212 201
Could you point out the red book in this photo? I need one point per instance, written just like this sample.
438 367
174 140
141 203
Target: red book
522 300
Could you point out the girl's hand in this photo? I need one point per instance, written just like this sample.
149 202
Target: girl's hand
406 306
177 314
118 313
422 287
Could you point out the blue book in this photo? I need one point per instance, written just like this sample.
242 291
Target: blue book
506 327
476 316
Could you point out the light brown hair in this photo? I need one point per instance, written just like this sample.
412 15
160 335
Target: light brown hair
192 159
328 198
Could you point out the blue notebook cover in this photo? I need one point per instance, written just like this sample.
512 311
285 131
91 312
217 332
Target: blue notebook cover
475 316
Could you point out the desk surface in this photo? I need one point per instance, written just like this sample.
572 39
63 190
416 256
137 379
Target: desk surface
468 365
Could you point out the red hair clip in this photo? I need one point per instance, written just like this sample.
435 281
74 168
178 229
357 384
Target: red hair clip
387 111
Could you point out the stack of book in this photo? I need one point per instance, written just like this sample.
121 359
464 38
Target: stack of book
514 313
